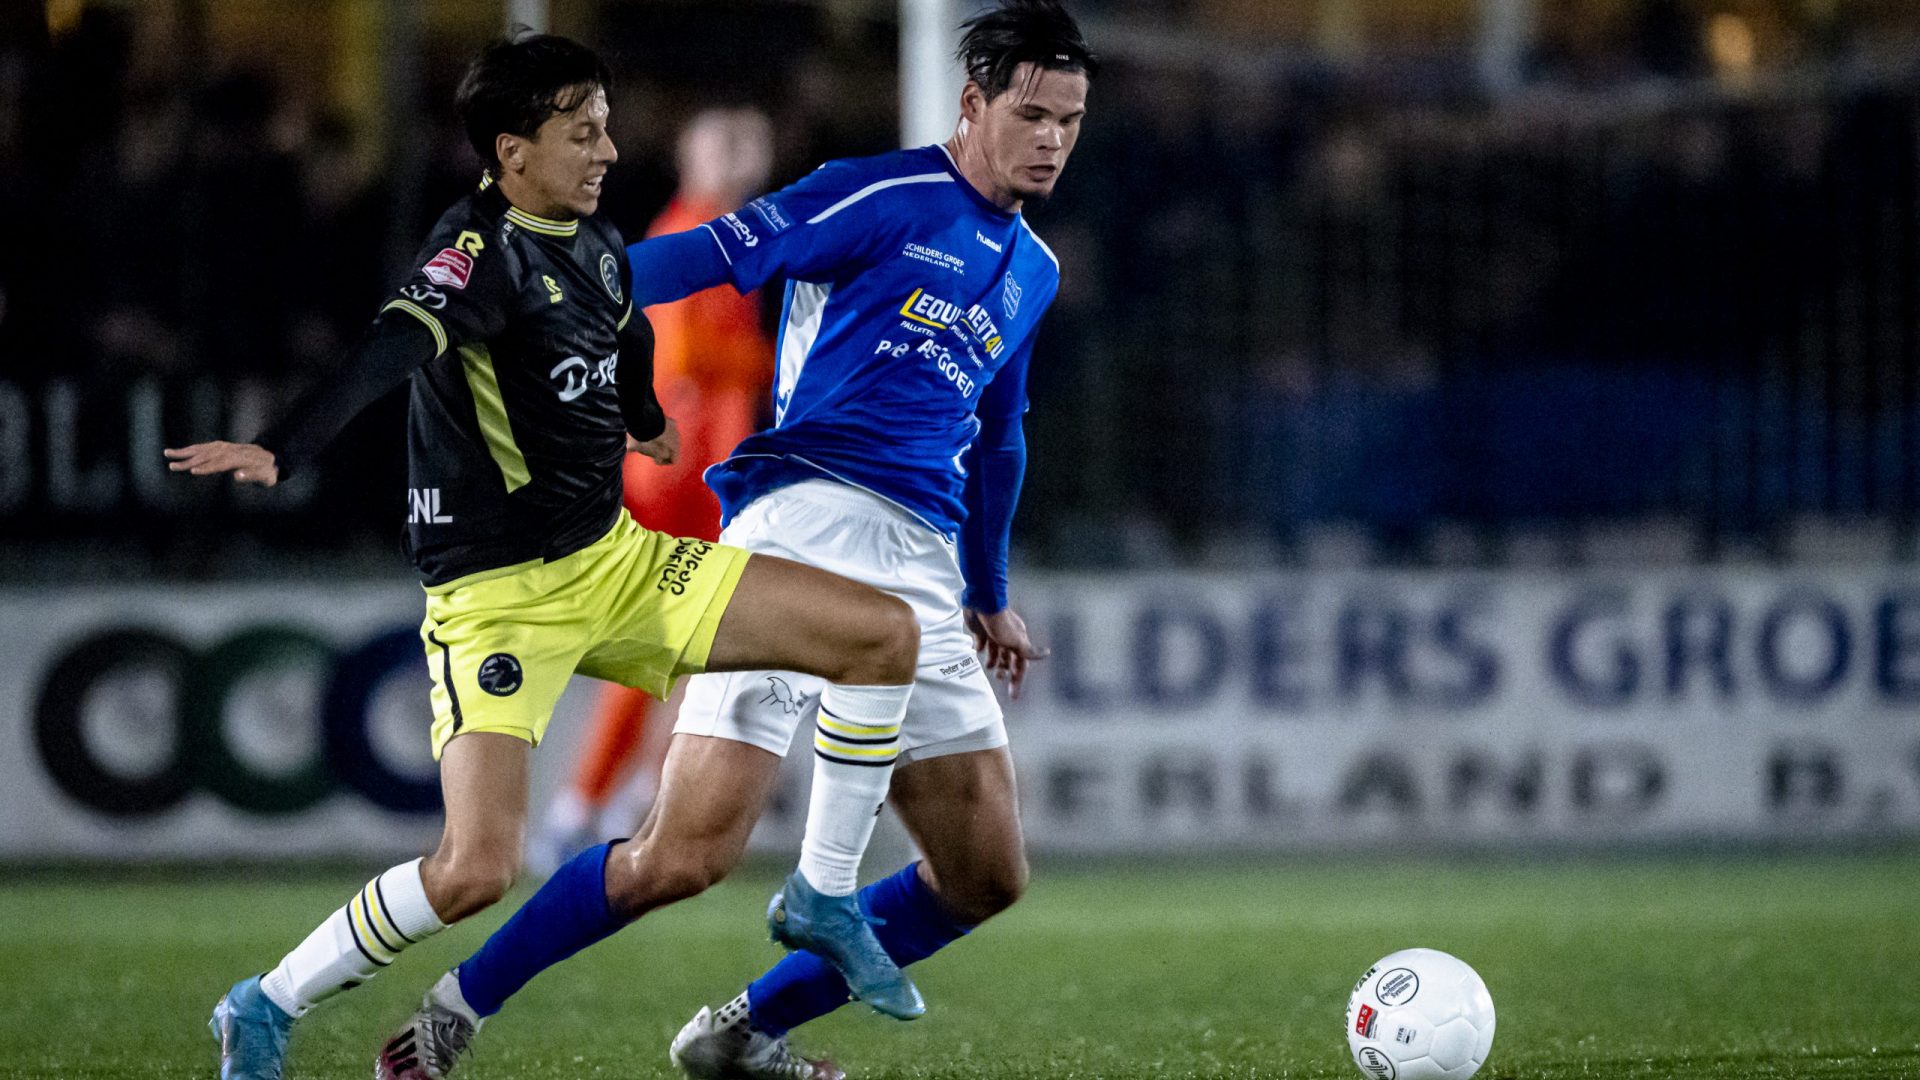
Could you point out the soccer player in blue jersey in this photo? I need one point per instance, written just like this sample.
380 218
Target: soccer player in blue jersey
914 292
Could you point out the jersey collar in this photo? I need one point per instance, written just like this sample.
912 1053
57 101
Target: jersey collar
530 222
966 185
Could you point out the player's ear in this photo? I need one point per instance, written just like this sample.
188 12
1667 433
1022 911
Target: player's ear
507 148
973 102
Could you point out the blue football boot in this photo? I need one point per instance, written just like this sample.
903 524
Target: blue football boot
839 932
252 1032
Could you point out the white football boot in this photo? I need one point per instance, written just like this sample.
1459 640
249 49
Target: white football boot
710 1048
437 1033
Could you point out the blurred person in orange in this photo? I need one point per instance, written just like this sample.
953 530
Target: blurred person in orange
713 366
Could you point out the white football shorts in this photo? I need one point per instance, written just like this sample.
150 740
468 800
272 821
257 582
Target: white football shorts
862 536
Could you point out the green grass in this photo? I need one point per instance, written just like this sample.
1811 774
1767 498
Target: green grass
1789 966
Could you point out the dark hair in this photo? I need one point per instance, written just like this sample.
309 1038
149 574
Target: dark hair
520 82
1038 32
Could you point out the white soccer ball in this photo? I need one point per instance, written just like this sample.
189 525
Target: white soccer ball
1420 1014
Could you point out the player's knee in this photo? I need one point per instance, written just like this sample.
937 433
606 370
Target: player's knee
986 891
999 889
888 649
465 883
651 875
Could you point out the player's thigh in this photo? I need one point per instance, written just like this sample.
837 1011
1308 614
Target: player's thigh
483 781
788 616
711 793
963 811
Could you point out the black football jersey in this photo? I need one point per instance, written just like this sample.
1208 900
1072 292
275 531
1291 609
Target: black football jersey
514 432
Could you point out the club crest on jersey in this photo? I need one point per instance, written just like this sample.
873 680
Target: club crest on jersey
610 277
451 269
1010 297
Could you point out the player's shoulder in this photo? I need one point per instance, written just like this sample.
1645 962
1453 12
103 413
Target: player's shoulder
1047 262
891 172
471 232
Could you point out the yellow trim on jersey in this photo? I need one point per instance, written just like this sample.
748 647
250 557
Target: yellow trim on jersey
544 226
425 316
622 324
491 410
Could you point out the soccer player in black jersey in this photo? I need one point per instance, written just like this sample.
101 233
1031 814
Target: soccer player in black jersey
530 371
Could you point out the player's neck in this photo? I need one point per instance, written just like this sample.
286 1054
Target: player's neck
520 193
974 170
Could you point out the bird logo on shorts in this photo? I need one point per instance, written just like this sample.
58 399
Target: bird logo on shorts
500 674
779 693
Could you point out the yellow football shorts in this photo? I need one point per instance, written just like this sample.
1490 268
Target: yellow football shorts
635 607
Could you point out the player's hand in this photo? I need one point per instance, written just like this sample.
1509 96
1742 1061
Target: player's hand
663 448
248 463
1002 636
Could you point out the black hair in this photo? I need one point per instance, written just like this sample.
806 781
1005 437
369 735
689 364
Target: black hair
1015 32
520 82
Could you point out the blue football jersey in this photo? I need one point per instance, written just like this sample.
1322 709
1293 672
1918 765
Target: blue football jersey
911 308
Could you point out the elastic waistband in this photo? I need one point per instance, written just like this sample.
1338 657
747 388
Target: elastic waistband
522 567
848 499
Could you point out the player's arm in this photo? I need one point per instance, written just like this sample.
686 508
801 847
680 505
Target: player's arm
459 294
817 227
650 430
996 465
393 348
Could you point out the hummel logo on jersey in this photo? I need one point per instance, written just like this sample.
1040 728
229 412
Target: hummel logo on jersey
982 237
423 507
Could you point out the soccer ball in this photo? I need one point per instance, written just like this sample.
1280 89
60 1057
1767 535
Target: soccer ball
1420 1014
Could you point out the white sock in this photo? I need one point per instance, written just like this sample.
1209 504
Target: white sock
356 941
855 742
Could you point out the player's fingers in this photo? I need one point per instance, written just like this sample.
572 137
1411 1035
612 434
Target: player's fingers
1030 651
1016 676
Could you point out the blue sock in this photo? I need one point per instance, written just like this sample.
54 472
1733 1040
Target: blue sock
569 913
804 987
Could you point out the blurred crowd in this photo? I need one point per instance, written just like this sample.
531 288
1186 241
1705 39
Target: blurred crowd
1652 284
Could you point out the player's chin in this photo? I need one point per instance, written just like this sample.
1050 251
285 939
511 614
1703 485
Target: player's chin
585 205
1035 192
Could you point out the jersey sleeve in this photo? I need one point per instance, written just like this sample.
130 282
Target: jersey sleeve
461 288
808 230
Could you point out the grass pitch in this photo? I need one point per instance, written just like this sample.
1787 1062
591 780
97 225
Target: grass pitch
1787 966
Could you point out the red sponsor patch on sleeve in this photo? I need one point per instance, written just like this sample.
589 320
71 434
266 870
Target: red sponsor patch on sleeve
1363 1021
450 268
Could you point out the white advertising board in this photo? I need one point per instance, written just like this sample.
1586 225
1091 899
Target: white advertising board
1178 712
